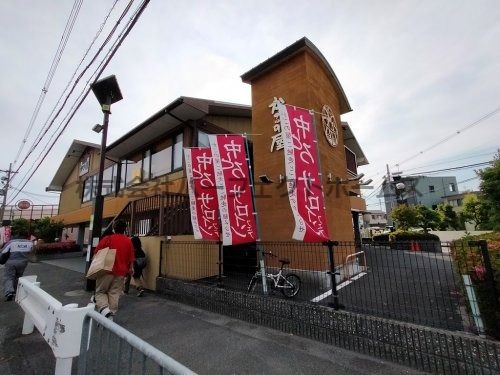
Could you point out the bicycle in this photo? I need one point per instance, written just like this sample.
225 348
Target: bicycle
289 284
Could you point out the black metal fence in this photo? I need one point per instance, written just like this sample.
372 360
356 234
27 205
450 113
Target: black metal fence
162 214
411 282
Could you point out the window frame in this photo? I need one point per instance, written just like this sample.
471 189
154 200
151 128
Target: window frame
121 182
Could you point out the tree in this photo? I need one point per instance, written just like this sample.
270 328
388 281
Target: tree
405 216
20 227
449 218
490 191
475 211
427 218
47 230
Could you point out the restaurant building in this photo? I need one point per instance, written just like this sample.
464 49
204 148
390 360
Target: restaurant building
144 180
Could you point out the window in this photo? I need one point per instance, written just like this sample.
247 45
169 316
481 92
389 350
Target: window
131 173
452 186
431 188
161 162
350 158
109 180
373 217
87 190
178 151
203 139
123 174
152 162
146 164
108 184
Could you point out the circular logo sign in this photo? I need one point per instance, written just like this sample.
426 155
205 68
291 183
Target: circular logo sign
23 204
330 125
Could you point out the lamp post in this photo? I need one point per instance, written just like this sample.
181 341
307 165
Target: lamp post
107 92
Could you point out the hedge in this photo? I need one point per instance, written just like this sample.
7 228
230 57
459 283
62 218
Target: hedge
57 247
401 235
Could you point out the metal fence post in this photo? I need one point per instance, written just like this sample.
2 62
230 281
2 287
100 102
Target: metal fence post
161 221
490 275
84 345
220 283
336 305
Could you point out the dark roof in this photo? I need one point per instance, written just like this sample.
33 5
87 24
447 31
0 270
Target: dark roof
287 53
69 162
177 112
352 144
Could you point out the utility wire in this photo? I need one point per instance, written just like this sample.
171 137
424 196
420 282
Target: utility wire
129 26
48 146
52 71
446 139
46 127
448 161
450 169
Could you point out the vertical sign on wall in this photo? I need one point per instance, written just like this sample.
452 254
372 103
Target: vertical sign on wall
202 193
305 188
233 189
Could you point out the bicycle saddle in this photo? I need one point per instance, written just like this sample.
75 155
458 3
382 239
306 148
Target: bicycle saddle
284 261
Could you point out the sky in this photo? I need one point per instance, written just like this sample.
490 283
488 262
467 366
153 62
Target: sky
414 72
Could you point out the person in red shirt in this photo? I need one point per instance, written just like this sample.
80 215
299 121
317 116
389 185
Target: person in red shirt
109 287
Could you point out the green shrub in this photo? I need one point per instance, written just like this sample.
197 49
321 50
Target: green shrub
468 260
401 235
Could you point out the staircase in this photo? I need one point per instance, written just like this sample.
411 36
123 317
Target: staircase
165 214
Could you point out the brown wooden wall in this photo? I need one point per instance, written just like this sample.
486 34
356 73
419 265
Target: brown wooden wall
303 82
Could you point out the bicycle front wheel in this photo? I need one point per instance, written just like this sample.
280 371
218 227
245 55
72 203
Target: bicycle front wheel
291 285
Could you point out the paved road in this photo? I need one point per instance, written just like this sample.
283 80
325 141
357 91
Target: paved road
418 287
207 343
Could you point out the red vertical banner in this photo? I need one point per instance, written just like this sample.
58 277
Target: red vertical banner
202 193
233 189
305 188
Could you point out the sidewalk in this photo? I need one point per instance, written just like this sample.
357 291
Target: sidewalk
205 342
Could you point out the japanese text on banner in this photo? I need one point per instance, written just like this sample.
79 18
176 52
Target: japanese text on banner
202 193
305 188
233 188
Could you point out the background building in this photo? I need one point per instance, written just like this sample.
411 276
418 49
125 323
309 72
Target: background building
419 190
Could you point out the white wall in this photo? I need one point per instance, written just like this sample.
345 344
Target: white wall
451 235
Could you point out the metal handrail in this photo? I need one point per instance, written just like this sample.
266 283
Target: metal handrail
142 346
352 256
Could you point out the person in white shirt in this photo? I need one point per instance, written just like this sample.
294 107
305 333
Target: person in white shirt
19 249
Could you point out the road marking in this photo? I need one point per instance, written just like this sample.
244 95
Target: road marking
340 286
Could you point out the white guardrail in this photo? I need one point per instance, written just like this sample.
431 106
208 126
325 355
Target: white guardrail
60 326
65 328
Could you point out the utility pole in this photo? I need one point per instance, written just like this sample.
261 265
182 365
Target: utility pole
5 190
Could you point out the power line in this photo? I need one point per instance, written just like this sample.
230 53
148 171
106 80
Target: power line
446 139
36 196
48 125
450 169
52 71
128 27
448 161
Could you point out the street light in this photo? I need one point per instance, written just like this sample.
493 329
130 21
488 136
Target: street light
107 92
